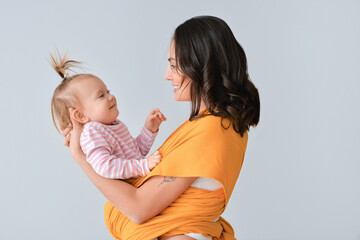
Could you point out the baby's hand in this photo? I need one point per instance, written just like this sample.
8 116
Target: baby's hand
154 120
154 160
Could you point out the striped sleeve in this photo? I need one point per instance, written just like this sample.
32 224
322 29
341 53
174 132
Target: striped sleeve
96 144
145 140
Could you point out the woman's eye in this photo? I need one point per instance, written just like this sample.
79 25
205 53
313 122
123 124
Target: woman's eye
172 66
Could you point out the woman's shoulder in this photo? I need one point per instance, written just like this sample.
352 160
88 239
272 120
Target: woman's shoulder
213 122
215 127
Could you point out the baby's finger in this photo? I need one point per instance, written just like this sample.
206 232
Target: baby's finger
157 115
156 157
154 111
156 160
162 117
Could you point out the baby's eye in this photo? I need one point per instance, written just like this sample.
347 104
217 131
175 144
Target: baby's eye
102 95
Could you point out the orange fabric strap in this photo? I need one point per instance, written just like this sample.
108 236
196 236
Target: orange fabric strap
200 148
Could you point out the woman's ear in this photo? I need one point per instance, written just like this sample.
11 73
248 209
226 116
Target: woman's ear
79 116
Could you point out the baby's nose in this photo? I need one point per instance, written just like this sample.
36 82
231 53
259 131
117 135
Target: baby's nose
111 97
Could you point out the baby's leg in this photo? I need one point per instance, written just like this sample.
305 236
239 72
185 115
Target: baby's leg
180 237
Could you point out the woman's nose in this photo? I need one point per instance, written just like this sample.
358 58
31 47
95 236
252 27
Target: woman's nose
168 74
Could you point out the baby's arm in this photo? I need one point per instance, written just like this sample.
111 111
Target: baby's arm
95 144
148 134
145 140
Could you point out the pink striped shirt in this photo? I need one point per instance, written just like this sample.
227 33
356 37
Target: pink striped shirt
113 152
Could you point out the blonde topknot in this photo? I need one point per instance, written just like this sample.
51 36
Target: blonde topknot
62 64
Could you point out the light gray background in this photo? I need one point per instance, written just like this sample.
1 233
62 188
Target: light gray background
300 178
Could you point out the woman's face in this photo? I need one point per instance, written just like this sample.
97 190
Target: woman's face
173 74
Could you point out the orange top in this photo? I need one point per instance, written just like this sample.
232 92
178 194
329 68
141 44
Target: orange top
200 148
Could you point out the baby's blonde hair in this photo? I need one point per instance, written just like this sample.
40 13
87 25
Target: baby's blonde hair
64 97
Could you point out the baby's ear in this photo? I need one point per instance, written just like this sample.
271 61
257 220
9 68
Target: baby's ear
80 117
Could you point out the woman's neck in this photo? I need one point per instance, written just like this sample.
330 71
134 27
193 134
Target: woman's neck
202 106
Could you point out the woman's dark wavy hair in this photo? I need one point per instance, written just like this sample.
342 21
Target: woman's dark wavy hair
207 52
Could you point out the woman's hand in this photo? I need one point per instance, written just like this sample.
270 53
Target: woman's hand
72 135
67 134
75 134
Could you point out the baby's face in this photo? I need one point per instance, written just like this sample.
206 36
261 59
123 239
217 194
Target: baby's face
97 102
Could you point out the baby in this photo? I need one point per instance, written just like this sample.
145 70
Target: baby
105 140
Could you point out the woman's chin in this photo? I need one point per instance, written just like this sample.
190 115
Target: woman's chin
181 99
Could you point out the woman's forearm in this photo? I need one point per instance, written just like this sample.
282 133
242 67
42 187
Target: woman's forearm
138 204
121 194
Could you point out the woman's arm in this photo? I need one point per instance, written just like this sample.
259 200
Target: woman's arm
138 204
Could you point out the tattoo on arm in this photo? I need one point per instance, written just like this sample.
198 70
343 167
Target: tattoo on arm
168 179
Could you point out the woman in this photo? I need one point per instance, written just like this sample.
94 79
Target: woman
183 197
